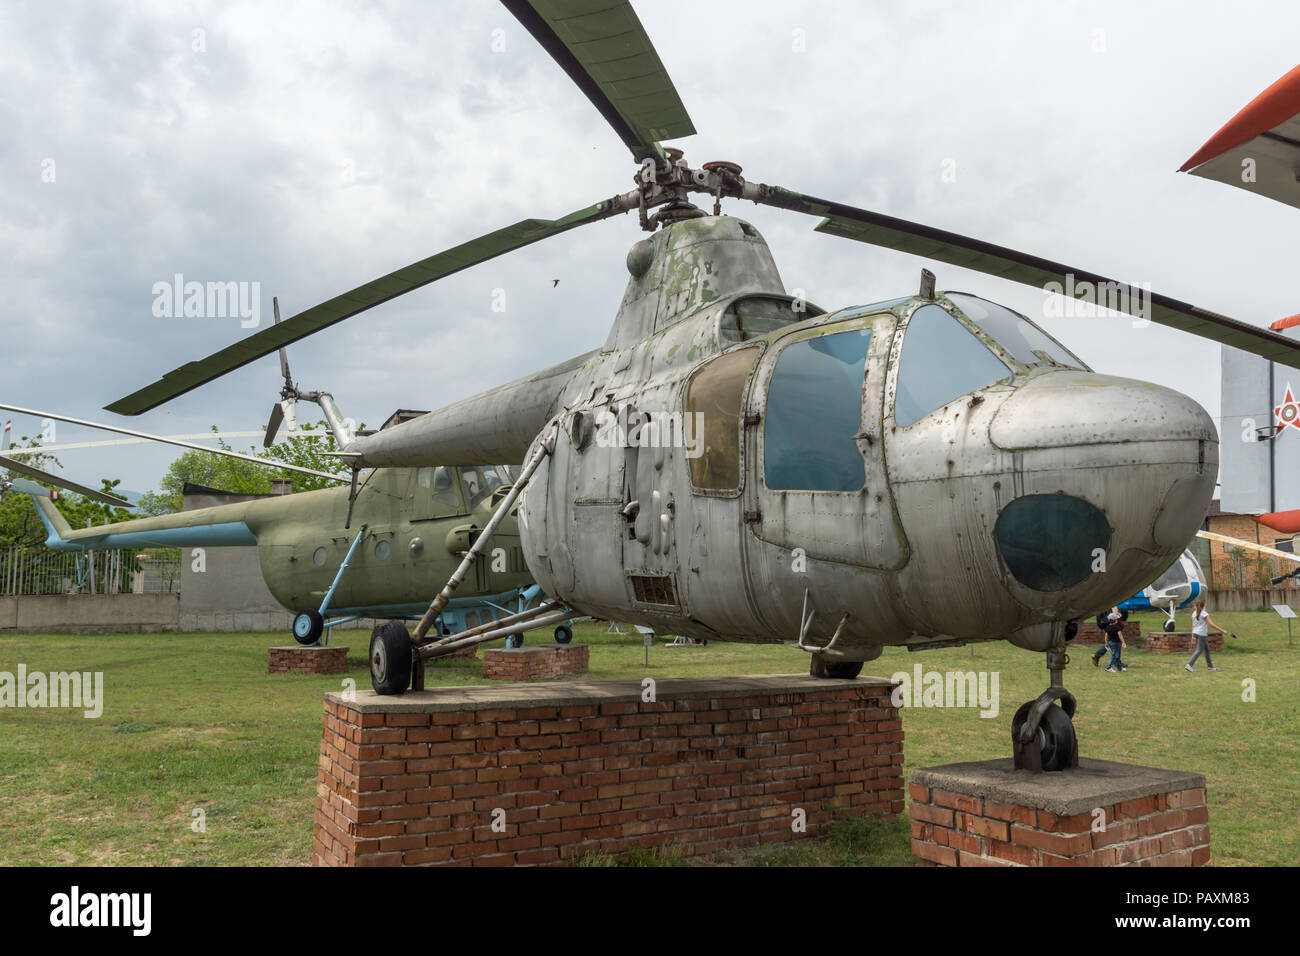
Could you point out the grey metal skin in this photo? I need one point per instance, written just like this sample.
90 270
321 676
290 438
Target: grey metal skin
910 559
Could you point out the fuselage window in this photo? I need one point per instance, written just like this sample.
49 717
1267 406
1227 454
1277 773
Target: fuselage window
941 360
713 399
1025 341
814 414
754 316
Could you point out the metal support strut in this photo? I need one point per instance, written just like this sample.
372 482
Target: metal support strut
545 448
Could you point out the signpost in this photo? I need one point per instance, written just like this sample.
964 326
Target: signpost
1284 610
647 638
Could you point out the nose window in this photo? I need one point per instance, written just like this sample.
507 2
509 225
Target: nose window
1050 542
1015 333
814 413
941 360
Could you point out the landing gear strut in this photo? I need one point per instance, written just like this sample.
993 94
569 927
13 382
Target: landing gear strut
1042 733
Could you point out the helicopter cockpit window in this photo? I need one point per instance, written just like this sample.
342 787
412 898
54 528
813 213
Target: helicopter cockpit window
814 414
479 482
753 316
713 399
1172 578
439 484
1025 341
941 360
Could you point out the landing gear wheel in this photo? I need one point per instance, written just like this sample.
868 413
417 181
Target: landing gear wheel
1055 735
514 641
837 670
563 634
1169 626
390 658
308 627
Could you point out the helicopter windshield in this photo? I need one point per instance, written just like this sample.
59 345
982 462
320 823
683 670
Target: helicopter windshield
941 360
1174 577
1025 341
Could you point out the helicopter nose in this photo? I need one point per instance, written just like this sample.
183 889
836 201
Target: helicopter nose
1112 478
1070 409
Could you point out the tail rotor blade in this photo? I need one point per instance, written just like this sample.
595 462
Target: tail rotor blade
273 425
284 355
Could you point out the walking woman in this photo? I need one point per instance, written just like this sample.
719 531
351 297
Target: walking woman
1201 625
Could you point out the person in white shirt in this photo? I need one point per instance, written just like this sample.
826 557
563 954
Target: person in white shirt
1201 625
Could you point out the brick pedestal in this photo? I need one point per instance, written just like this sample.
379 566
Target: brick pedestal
308 660
1099 814
1179 642
534 661
1090 633
539 774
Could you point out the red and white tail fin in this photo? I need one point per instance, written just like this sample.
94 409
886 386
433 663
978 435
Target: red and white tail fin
4 439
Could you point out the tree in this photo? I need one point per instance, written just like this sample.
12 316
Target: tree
246 478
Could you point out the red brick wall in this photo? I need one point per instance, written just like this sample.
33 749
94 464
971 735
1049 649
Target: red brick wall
308 660
1179 642
1090 633
577 768
957 829
532 663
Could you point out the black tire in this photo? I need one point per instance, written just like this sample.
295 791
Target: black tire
563 634
1169 626
835 670
1055 734
514 641
308 627
390 658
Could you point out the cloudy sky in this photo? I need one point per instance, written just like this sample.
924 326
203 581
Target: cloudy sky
310 147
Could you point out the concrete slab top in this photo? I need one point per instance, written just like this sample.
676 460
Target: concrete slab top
1094 783
578 693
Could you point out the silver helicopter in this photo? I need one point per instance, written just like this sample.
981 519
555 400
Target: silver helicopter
738 464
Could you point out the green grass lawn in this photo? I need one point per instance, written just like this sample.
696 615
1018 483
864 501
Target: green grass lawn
193 721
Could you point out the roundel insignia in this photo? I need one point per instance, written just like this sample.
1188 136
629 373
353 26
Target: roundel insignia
1288 413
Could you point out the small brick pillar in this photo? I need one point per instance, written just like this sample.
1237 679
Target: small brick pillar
534 661
294 658
506 775
1179 642
1098 814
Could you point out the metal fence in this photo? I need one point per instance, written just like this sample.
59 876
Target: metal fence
29 571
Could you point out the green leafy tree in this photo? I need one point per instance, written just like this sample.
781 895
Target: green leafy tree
306 450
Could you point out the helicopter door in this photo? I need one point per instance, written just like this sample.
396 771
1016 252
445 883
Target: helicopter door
818 475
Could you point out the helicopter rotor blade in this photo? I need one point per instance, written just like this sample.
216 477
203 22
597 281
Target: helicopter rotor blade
877 229
604 49
264 462
100 496
193 374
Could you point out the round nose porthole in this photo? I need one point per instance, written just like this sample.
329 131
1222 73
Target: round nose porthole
1050 542
318 557
382 550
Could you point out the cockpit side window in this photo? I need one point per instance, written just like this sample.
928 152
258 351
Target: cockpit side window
814 415
1025 341
752 316
941 360
713 399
